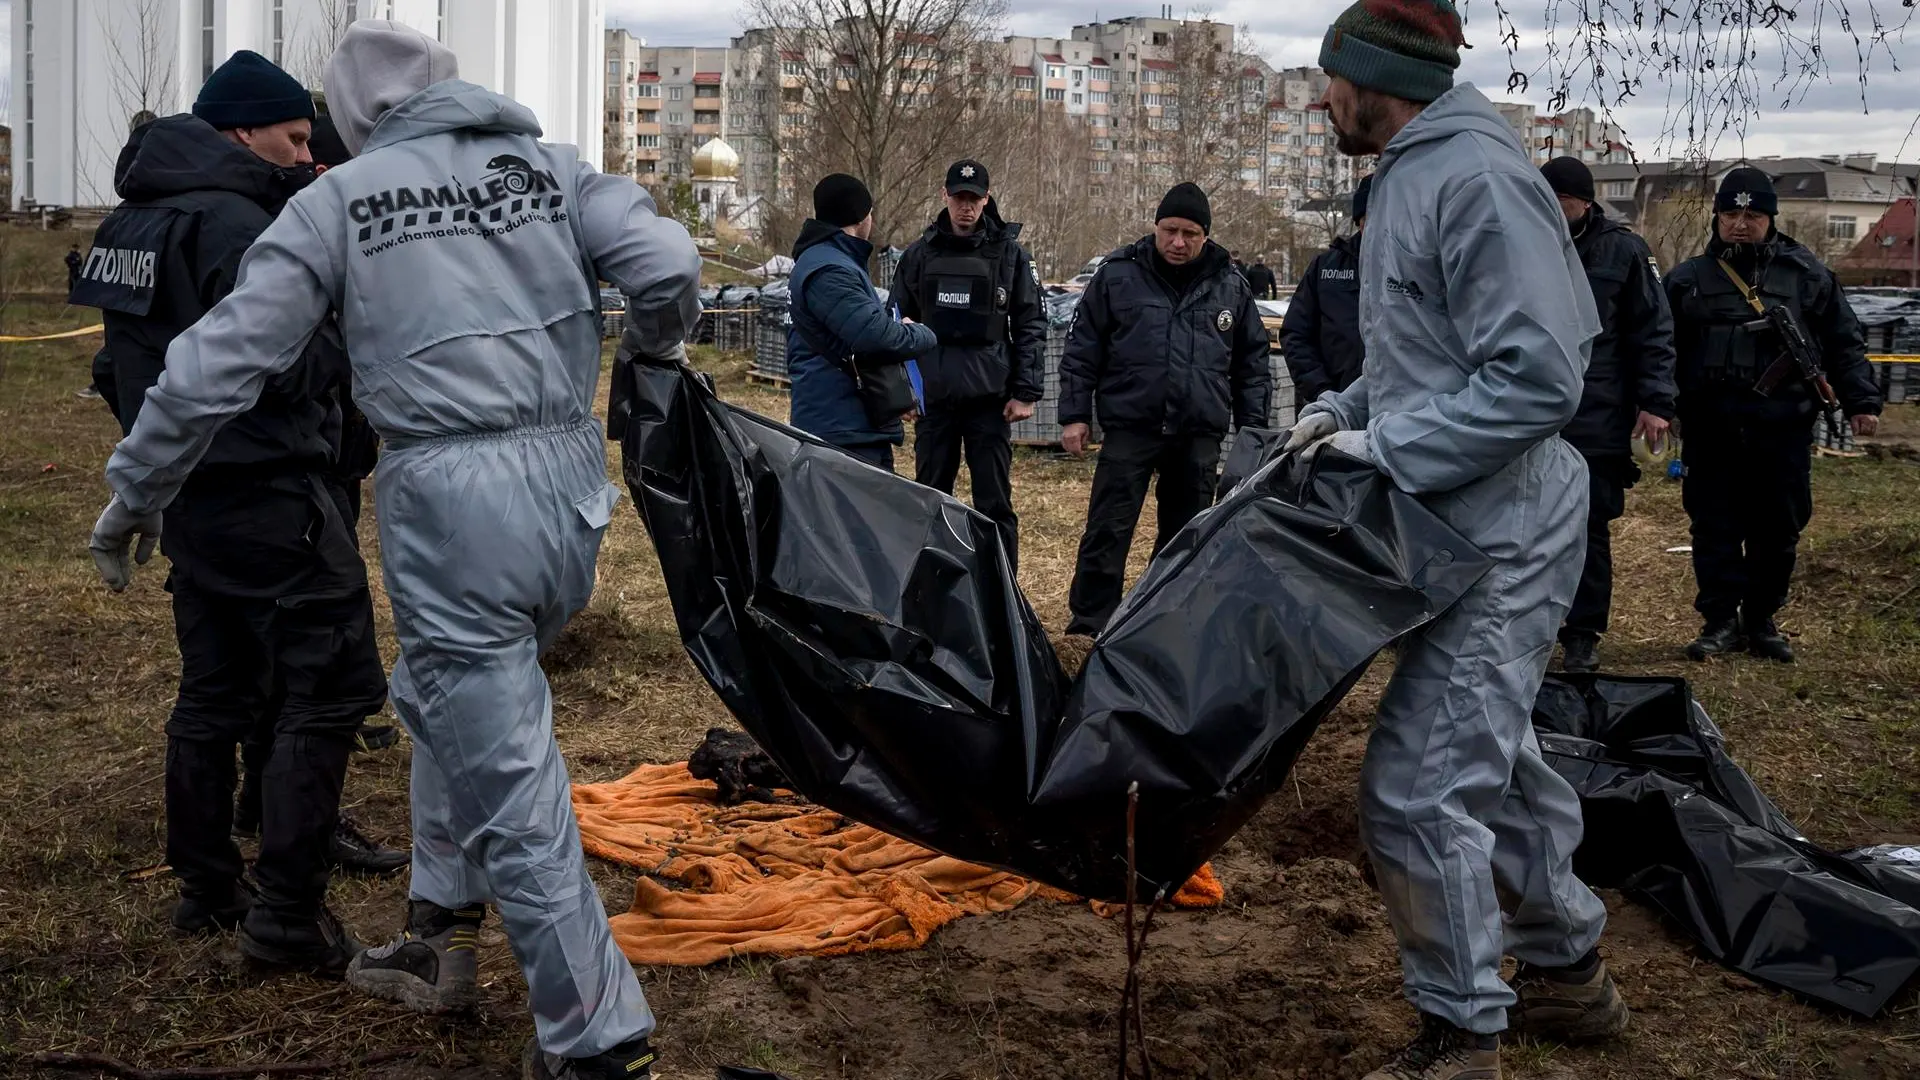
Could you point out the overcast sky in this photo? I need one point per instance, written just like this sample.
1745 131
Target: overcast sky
1828 119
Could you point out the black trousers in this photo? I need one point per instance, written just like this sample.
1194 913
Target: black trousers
254 752
1188 469
275 627
879 455
978 432
1748 495
1607 482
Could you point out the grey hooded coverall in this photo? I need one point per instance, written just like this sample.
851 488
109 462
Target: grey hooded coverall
1477 320
461 254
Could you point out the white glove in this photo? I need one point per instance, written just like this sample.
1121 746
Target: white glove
112 537
1311 429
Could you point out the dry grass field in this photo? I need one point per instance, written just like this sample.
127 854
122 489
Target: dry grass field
1294 977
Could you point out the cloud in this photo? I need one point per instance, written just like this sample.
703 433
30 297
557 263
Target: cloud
1825 117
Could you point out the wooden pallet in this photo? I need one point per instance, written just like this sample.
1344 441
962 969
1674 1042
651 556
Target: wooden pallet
760 378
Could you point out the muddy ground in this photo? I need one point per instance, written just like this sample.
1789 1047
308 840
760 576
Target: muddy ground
1295 977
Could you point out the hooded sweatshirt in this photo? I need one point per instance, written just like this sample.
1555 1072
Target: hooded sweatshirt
461 254
1474 307
194 202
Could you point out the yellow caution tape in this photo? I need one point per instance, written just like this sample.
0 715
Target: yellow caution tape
82 332
1896 358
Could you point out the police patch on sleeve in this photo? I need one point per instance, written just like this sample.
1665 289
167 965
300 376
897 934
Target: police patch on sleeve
1654 265
1224 321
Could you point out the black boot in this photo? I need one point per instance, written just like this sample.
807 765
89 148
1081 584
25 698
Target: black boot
1582 653
375 737
196 914
355 854
1719 636
633 1059
317 944
1765 641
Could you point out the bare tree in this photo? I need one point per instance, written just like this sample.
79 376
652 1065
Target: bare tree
141 63
882 89
311 44
1213 127
1050 192
143 76
1714 64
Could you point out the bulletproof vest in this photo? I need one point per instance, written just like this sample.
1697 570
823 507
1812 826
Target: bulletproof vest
1730 351
124 269
962 297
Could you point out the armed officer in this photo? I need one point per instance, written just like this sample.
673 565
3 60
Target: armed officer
1747 409
968 280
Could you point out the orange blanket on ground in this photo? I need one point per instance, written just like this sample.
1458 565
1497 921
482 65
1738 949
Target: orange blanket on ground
782 880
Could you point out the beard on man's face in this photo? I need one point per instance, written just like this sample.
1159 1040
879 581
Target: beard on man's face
1362 137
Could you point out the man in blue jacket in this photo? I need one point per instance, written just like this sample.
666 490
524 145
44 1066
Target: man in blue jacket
838 321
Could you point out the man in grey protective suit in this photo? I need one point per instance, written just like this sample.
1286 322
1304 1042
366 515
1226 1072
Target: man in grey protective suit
461 254
1477 320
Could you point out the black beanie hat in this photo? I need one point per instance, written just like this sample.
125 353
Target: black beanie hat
1569 176
841 200
1747 188
1361 192
327 147
1189 202
248 91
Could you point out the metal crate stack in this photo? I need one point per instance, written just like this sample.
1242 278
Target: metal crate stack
1899 383
770 350
1044 428
736 329
769 330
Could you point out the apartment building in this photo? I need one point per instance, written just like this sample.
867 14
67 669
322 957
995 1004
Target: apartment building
1120 77
662 105
1576 133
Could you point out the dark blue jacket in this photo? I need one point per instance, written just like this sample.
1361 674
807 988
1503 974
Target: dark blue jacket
837 316
1163 361
1320 337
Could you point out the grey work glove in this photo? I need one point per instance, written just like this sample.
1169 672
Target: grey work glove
1351 443
113 537
1311 429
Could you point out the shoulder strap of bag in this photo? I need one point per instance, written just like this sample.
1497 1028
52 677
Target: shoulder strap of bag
1746 291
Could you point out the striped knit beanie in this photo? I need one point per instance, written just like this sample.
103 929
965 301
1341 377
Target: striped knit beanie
1407 49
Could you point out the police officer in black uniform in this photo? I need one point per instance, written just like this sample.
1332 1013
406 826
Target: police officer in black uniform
1629 389
358 452
1748 488
271 606
1168 346
1320 336
970 282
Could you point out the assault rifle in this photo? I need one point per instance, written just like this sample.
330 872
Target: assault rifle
1799 358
